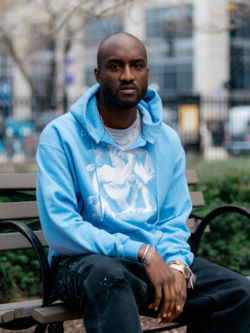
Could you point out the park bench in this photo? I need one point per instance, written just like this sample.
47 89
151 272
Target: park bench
16 235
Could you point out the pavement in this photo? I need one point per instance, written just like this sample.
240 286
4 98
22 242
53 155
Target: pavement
76 326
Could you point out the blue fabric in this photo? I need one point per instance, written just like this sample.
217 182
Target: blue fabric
95 198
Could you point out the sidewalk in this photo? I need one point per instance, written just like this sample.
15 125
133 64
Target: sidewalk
76 326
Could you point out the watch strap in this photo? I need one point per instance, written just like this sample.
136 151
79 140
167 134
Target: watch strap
180 269
192 278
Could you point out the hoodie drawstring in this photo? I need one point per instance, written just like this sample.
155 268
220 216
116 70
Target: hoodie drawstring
100 200
156 187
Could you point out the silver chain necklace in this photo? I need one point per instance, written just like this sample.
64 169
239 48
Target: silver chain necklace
132 135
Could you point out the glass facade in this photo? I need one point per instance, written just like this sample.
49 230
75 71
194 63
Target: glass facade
6 85
240 51
168 41
170 48
95 32
170 22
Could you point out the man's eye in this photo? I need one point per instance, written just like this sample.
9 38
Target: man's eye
114 66
138 66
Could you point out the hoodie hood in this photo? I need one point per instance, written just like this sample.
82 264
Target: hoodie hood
86 113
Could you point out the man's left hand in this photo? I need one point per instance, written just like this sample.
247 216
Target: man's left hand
182 285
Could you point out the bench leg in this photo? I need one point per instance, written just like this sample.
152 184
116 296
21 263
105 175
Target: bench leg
41 328
56 327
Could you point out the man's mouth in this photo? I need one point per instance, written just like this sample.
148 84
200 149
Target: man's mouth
128 89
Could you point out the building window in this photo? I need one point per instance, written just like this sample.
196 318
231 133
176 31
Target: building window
170 48
97 30
169 22
239 15
172 78
6 84
240 51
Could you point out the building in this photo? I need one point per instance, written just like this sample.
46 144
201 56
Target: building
192 52
203 60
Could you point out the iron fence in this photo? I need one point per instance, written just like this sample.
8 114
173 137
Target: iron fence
212 126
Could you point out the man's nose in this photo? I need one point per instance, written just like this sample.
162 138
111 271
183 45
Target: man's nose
127 74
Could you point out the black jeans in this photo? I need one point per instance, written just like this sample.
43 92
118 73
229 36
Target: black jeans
112 292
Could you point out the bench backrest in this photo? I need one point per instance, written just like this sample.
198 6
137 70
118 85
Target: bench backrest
15 187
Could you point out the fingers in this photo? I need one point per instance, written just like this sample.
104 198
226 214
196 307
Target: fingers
178 310
169 305
158 298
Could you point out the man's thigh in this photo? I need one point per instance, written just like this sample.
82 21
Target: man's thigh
216 289
76 278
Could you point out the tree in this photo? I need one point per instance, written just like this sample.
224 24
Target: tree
239 13
29 25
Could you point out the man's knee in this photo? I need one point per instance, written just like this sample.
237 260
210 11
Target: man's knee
108 274
243 290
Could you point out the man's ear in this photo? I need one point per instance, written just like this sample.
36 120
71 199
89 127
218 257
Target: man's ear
98 75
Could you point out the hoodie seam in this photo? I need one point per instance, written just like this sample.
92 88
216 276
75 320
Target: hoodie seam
178 148
52 147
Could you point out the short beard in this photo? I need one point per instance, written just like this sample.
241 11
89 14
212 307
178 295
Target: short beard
112 96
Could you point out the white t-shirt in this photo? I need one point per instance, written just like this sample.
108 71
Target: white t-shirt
121 135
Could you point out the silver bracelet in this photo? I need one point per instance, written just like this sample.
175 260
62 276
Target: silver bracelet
144 255
150 256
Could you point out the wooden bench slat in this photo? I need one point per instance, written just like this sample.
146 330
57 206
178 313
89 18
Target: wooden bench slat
18 181
193 224
197 199
18 210
27 181
191 177
18 305
8 316
56 313
27 310
16 241
8 311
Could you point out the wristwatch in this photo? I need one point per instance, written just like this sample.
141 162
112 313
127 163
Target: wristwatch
181 268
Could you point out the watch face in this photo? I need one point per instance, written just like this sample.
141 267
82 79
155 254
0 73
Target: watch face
186 272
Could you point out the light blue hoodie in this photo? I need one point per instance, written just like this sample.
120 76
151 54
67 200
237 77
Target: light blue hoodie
95 198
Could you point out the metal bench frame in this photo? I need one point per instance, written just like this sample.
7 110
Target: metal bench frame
16 316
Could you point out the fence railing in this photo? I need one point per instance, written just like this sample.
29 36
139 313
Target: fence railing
213 126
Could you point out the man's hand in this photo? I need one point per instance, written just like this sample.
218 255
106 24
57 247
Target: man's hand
182 287
170 289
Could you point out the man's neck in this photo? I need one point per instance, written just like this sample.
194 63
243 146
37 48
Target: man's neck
115 117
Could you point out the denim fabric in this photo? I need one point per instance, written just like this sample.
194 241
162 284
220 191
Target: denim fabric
113 291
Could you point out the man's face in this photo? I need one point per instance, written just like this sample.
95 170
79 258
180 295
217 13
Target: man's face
123 71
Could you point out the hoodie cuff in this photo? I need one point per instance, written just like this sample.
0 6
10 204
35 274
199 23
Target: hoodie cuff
131 249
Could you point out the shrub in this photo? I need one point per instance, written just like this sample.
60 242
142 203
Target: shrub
223 183
19 275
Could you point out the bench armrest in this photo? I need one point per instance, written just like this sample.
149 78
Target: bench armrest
42 257
212 215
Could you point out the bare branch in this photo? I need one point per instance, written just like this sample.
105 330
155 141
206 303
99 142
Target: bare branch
9 45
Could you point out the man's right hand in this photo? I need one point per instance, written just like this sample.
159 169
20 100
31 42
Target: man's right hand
167 290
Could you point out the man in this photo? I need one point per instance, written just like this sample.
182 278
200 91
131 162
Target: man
113 202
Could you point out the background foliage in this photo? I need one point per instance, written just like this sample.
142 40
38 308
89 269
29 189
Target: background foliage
228 243
225 182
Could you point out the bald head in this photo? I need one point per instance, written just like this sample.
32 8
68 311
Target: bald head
122 71
119 39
